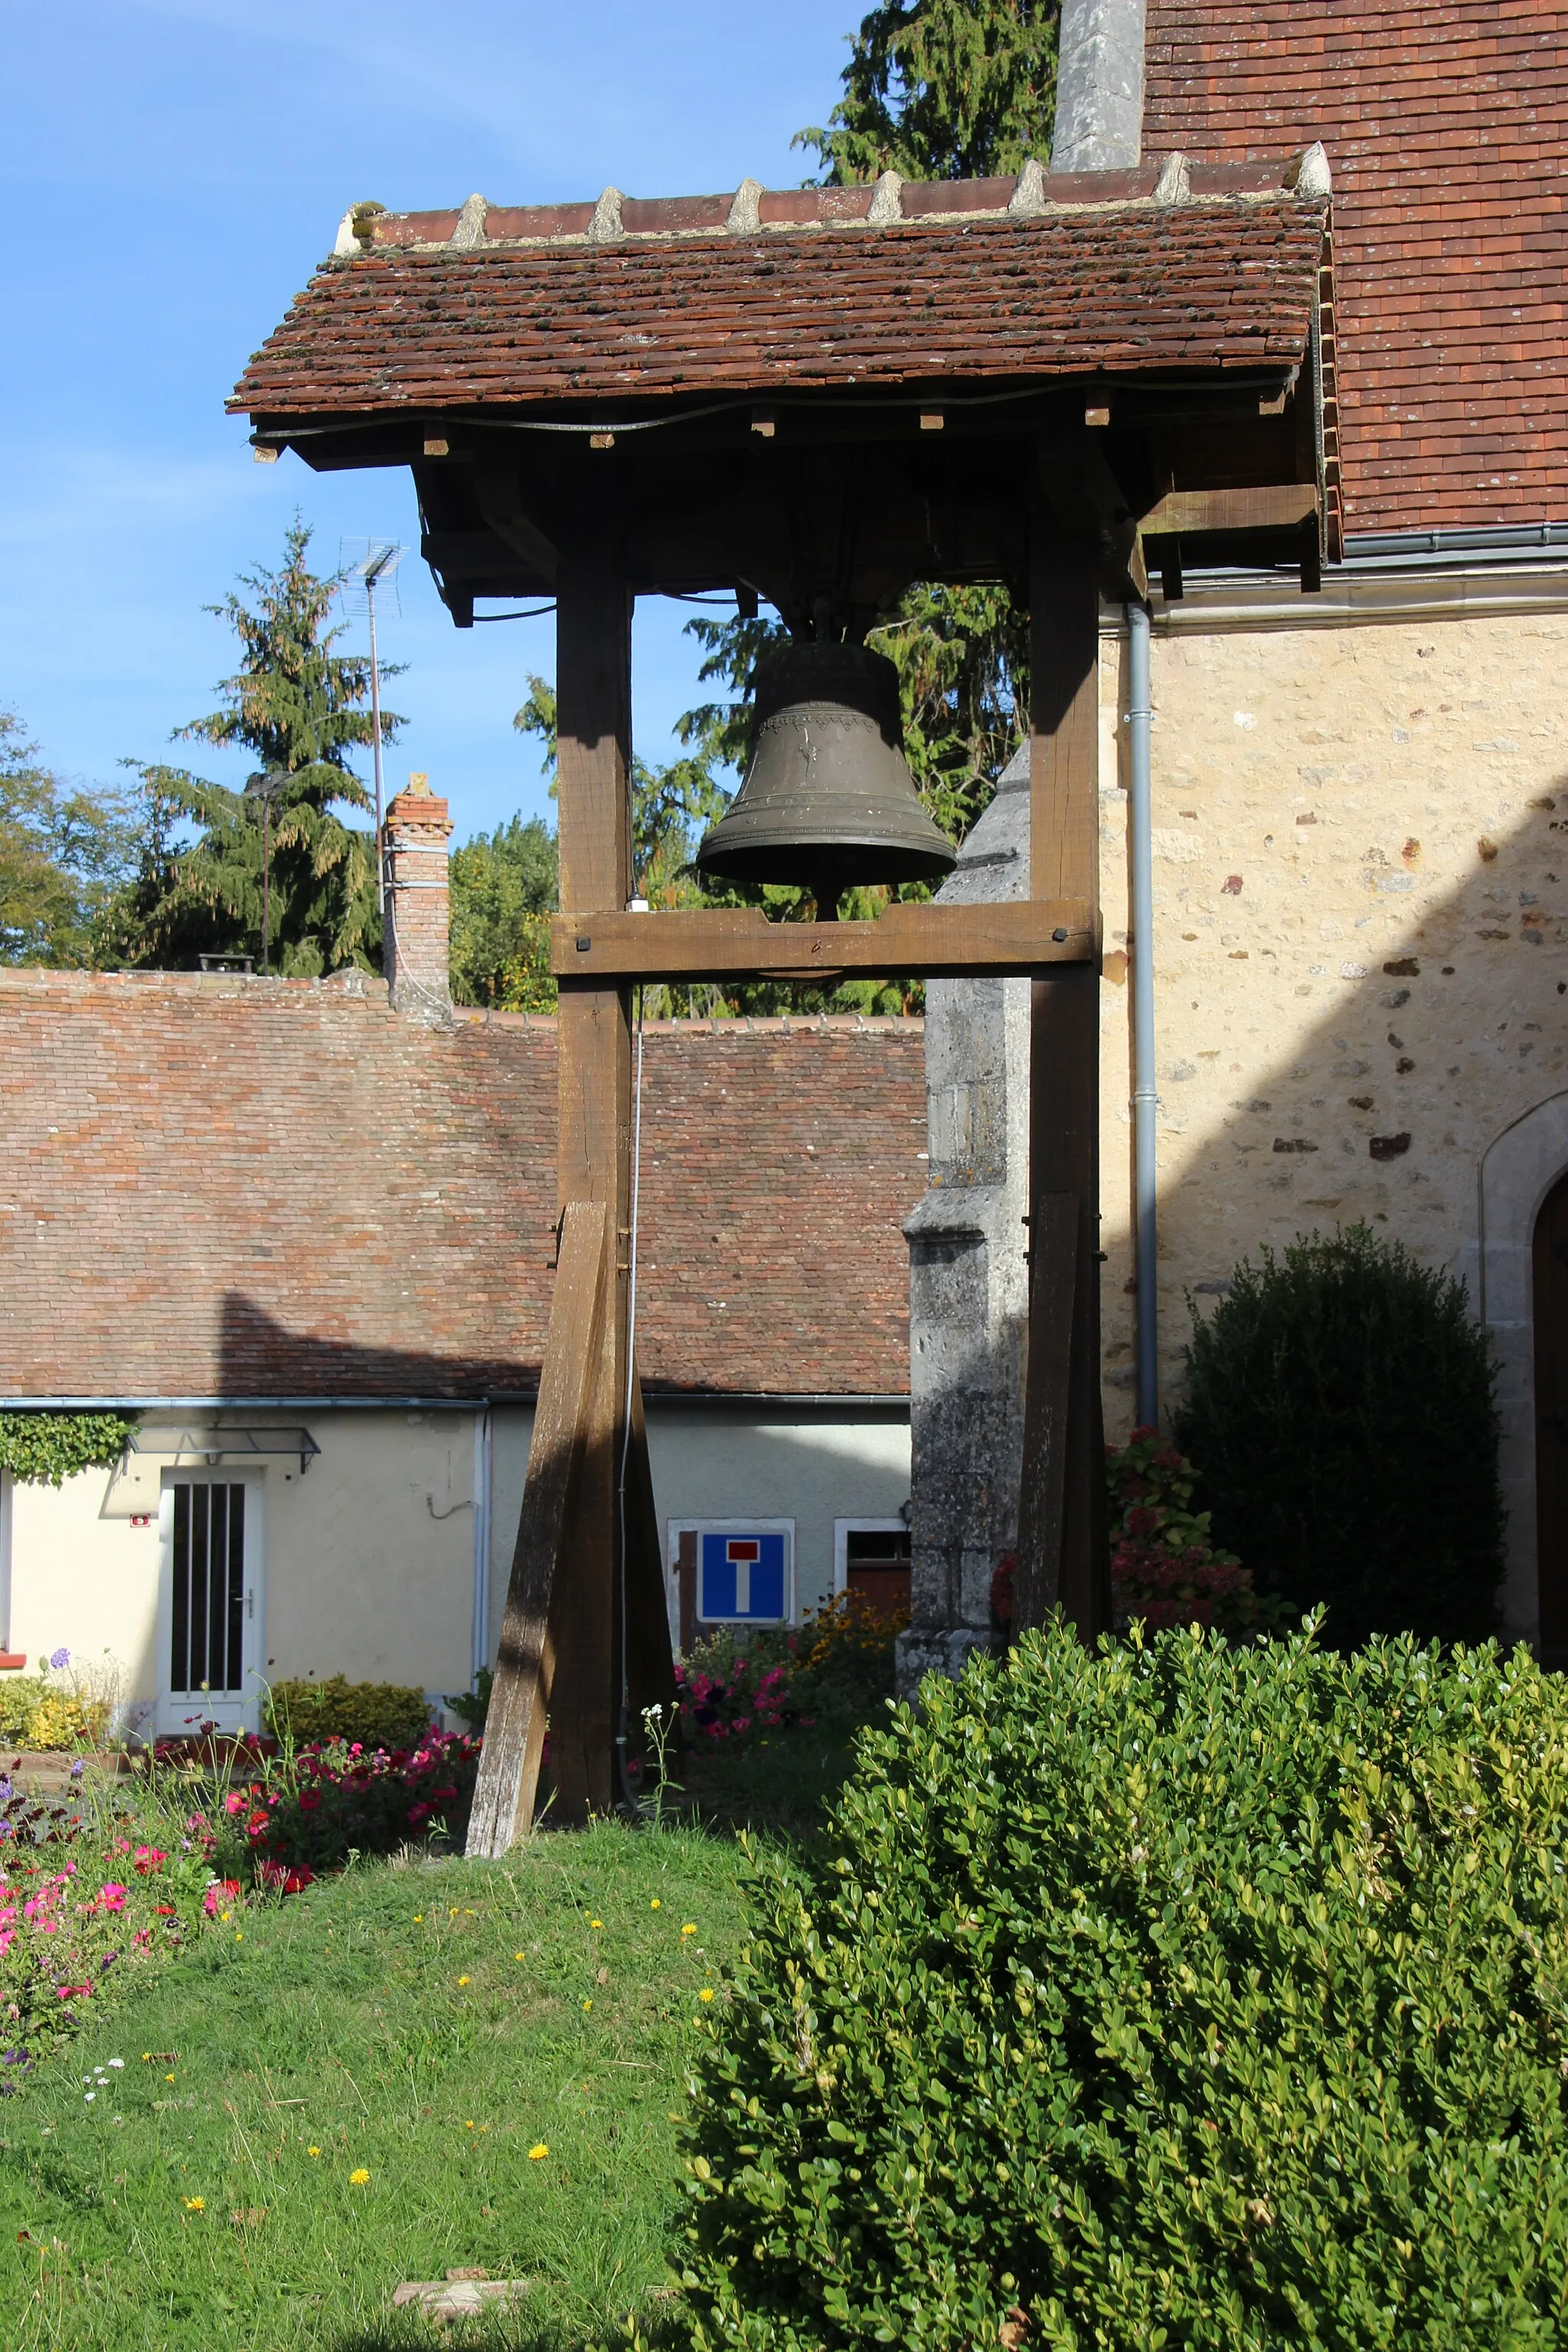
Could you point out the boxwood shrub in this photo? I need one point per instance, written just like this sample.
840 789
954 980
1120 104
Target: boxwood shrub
378 1714
1186 1993
1341 1409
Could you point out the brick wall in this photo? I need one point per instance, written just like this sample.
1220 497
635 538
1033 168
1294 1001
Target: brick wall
1447 129
211 1186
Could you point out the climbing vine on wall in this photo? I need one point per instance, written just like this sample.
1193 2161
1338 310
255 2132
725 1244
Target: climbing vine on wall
46 1448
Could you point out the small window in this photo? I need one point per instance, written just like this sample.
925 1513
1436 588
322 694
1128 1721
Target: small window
730 1572
871 1557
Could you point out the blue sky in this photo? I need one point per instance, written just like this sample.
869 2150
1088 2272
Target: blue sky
172 170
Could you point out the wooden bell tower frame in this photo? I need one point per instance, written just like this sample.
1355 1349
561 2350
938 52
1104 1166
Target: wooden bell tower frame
1065 479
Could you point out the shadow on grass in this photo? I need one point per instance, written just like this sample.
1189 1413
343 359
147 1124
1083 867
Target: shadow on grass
782 1789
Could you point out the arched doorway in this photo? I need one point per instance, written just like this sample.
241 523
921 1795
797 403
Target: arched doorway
1550 1282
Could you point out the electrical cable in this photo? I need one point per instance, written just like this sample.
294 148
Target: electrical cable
628 1791
534 612
280 436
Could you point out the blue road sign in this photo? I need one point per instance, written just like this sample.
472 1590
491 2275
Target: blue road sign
744 1579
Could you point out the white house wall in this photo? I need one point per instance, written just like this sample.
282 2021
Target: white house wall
369 1567
813 1466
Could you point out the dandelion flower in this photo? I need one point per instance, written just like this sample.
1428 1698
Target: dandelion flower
312 2151
706 1993
537 2151
595 1923
462 1980
689 1928
469 2125
358 2177
195 2204
656 1904
168 2078
419 1919
517 1956
588 2004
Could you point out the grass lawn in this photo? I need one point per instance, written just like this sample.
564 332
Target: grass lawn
430 2027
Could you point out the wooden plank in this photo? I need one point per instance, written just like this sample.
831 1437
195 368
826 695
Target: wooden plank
1053 1286
1063 720
586 1700
1063 1076
594 1056
1268 506
936 942
498 497
524 1676
1090 504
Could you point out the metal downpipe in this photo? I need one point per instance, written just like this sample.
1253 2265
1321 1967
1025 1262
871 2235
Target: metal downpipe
1145 1099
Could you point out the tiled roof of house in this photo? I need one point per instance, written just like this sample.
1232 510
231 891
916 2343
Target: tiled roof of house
223 1188
1446 126
815 287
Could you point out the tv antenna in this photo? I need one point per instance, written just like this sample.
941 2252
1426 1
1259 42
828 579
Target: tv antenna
366 566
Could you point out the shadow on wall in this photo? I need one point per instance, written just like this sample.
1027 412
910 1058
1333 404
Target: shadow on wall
1412 978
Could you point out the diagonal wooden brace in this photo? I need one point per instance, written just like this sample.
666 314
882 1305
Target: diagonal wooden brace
525 1668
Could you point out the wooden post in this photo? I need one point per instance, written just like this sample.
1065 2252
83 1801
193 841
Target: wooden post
594 1047
525 1666
1064 1473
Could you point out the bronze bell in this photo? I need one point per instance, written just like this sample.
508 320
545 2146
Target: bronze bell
829 800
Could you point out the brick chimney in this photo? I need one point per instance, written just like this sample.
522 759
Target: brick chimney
415 948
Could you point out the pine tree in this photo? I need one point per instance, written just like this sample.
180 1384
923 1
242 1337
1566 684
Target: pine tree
301 709
943 90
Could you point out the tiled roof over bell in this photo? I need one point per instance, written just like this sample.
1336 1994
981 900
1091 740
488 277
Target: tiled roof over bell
820 287
246 1188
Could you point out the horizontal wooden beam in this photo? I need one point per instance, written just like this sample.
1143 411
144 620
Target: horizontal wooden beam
928 941
1265 506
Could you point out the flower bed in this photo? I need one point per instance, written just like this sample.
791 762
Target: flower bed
81 1901
311 1809
741 1682
66 1706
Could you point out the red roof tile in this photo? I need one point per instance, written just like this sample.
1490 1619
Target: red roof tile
1226 281
245 1189
1446 130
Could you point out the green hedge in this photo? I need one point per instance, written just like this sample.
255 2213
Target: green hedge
1191 1995
378 1714
47 1448
1340 1408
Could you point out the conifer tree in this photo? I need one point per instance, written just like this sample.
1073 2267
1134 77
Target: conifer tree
943 90
300 709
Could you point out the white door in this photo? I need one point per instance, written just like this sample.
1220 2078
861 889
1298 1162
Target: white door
210 1621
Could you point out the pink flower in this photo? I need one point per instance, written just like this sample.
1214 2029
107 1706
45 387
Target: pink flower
112 1897
234 1802
308 1799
